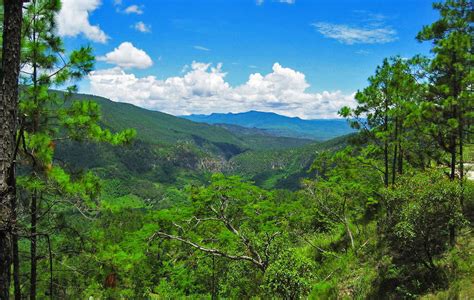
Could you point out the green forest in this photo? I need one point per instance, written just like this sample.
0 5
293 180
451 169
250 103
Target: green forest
107 200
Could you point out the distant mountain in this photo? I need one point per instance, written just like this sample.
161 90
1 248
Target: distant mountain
171 152
158 128
278 125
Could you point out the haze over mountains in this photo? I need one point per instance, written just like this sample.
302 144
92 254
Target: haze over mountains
278 125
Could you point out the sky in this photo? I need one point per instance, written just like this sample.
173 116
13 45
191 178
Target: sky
303 58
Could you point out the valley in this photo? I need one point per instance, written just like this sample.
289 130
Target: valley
260 149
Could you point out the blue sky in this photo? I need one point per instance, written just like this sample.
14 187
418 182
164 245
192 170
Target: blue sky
198 56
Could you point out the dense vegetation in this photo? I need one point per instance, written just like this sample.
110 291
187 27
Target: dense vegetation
117 202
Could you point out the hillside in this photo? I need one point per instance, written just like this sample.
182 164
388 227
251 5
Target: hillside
282 168
279 125
170 151
163 129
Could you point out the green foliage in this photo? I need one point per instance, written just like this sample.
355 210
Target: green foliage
421 211
47 189
422 215
290 276
165 224
450 74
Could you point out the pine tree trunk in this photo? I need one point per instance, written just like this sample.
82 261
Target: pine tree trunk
16 267
8 123
400 159
395 153
461 155
33 239
461 145
15 251
385 150
452 145
452 228
34 198
453 150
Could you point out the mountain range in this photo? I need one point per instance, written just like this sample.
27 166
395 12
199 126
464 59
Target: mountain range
278 125
168 149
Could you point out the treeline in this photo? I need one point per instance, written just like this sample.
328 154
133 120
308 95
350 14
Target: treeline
389 216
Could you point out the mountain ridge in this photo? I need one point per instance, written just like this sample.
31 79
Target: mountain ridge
279 125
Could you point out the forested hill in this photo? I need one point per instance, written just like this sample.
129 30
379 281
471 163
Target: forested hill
106 200
160 128
280 125
168 149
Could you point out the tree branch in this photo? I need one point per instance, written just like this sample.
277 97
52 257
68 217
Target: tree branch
211 251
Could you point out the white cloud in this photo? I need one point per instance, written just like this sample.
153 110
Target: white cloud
127 56
203 89
197 47
134 9
73 19
379 34
142 27
260 2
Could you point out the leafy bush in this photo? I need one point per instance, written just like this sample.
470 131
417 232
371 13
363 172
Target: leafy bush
422 217
290 276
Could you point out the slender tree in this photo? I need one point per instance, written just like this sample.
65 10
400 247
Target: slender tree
450 100
49 117
450 104
381 112
10 69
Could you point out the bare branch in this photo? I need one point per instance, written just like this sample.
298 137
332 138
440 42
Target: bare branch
258 263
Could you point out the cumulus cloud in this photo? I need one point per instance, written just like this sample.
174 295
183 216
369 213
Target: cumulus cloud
134 9
203 89
356 35
142 27
127 56
73 20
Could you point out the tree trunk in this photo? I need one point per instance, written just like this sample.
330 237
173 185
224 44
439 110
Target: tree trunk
349 233
400 159
34 198
452 148
34 239
16 267
452 144
385 150
461 155
395 153
461 145
400 149
10 69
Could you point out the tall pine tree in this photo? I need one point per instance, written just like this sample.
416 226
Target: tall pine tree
47 118
9 73
450 104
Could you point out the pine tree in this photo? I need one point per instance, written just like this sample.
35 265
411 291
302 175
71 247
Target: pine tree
450 104
382 111
9 73
49 117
